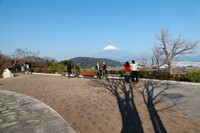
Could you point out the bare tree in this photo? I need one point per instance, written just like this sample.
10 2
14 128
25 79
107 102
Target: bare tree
20 53
170 49
158 59
5 62
48 60
143 60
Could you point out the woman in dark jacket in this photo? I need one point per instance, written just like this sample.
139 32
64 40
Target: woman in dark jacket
69 70
103 68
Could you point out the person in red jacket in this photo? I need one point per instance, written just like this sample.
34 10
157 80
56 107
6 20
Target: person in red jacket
127 71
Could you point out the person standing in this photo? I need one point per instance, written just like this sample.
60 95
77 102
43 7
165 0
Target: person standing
69 70
97 68
26 68
30 66
103 68
134 71
23 69
127 71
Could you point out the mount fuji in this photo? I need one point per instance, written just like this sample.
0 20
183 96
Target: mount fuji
110 47
114 53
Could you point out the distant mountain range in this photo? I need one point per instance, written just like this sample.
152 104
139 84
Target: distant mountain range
113 57
195 58
114 53
89 62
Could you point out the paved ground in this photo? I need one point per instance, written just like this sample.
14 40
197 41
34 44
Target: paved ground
97 106
23 114
182 96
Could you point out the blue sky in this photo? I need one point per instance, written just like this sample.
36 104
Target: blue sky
63 29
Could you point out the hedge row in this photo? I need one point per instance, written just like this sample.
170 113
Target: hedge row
57 68
45 70
193 76
155 75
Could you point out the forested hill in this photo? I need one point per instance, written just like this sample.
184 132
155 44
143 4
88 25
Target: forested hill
89 62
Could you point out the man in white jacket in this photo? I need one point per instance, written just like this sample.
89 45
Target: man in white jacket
134 73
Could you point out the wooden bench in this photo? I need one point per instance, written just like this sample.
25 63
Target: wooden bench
89 74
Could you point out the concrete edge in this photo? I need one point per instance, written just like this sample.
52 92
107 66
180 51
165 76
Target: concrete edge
169 81
48 74
69 128
162 81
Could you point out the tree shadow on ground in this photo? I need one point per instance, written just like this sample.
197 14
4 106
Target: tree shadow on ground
152 93
131 122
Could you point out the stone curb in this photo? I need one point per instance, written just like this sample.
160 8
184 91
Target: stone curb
48 74
21 114
162 81
169 81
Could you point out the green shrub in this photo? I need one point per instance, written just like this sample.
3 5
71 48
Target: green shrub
56 67
44 70
37 70
193 76
144 74
162 75
121 72
179 78
65 63
112 72
49 70
155 75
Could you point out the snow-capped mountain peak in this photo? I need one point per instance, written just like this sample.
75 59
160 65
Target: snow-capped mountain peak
110 47
114 53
